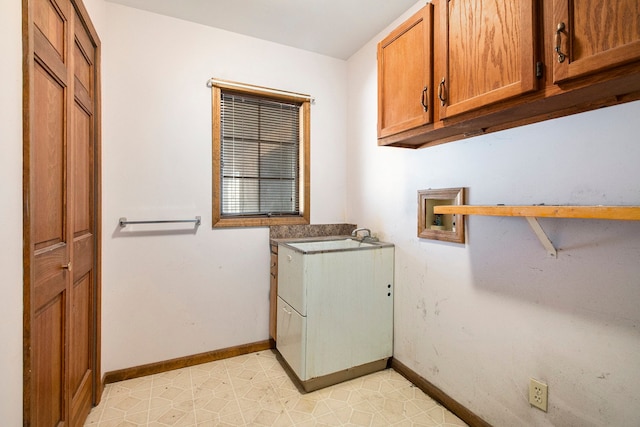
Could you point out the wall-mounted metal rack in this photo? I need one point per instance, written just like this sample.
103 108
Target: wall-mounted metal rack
124 221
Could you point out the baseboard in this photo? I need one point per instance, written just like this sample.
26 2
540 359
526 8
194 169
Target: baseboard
183 362
443 398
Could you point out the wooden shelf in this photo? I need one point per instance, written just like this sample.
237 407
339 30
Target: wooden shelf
531 213
629 213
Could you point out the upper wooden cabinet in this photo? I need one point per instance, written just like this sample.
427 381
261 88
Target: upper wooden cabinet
405 75
486 53
500 64
594 36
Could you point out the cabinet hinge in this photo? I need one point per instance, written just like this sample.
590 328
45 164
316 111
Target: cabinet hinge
539 69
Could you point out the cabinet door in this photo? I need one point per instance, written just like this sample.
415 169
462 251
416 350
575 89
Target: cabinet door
594 36
291 278
291 341
405 75
488 53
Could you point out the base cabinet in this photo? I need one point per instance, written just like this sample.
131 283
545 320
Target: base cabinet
335 311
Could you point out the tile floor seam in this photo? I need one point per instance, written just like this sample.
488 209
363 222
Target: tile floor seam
235 394
193 399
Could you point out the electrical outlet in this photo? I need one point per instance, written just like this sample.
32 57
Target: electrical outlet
538 394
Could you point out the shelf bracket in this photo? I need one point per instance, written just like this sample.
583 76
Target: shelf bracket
542 236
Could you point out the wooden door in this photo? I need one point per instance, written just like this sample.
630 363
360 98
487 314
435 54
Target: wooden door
405 83
61 160
488 51
594 36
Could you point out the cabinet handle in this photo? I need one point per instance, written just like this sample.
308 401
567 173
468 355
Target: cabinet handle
441 89
66 266
423 99
559 30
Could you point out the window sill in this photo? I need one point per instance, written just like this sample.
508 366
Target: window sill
260 222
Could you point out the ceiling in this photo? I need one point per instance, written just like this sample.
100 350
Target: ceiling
336 28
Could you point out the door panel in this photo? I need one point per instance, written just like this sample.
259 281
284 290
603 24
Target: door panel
80 317
80 348
82 68
50 276
49 158
82 256
49 18
48 356
82 172
84 52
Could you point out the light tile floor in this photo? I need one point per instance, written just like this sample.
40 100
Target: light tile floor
254 390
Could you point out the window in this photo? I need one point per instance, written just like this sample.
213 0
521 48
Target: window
260 156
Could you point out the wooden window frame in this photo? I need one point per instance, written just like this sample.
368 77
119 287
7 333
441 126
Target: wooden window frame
218 220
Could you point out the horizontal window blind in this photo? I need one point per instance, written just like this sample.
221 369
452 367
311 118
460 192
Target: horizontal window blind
260 147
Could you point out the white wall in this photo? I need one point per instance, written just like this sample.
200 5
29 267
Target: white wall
478 320
170 295
11 213
98 13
